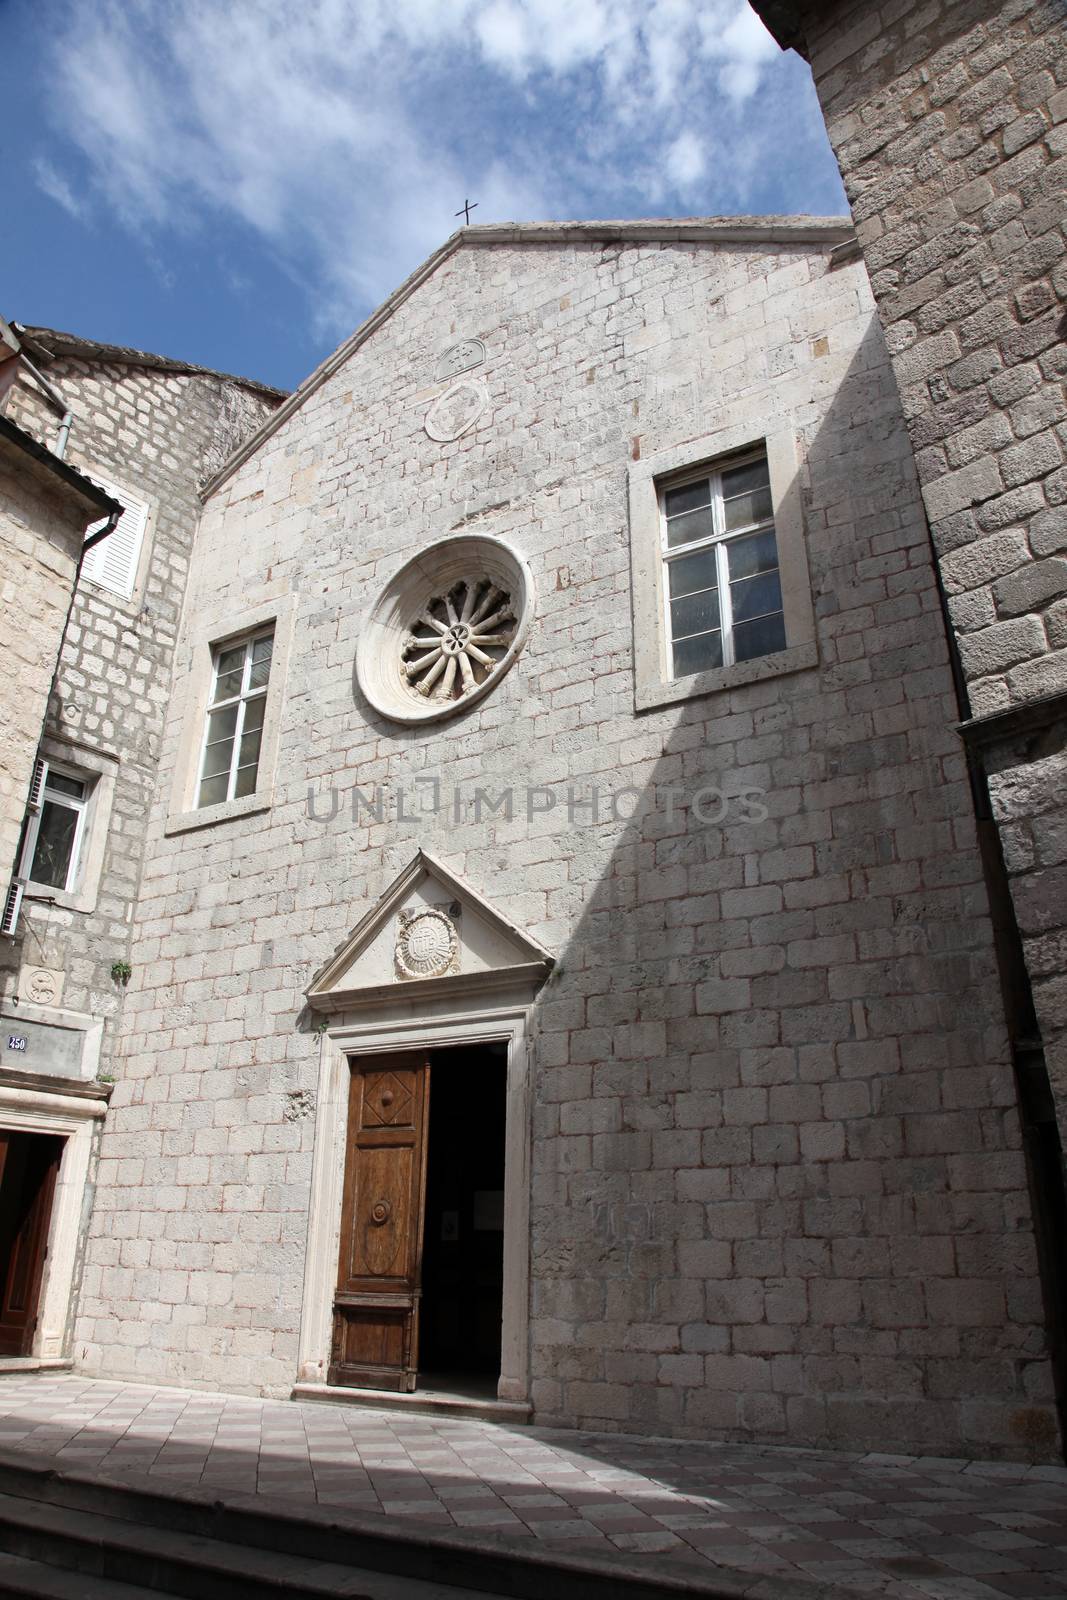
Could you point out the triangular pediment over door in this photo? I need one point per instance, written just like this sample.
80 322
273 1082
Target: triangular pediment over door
429 935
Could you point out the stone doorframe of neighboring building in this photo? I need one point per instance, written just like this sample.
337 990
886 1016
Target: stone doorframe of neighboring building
73 1119
489 1016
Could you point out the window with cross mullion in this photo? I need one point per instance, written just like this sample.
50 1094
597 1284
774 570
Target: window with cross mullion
230 762
722 595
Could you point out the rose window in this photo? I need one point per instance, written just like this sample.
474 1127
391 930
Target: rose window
459 640
446 628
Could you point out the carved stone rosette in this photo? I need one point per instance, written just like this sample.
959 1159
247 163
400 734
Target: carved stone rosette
427 944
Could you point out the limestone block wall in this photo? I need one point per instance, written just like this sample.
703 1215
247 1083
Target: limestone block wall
154 433
41 529
777 1186
949 121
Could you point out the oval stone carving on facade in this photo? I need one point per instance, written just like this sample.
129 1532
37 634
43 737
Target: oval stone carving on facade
446 628
456 411
459 358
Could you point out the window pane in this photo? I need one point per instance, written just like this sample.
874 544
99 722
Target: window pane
227 685
250 748
760 638
692 572
262 649
691 525
744 479
212 790
688 497
755 597
695 614
757 552
217 758
218 752
61 784
699 654
55 845
246 780
254 710
745 509
231 660
222 724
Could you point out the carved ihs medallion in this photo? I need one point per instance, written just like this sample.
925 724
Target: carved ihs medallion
427 944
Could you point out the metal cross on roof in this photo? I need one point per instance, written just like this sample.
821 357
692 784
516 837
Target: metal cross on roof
465 211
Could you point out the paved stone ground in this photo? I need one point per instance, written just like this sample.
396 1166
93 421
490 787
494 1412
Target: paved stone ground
904 1527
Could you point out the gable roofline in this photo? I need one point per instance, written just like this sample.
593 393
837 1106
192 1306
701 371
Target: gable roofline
771 230
48 344
323 994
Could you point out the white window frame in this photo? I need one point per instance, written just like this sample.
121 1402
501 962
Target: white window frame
718 541
242 699
218 625
667 468
33 827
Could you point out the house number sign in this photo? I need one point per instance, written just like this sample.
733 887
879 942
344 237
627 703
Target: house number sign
15 1041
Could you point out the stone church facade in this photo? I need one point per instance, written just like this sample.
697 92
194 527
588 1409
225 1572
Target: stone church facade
561 872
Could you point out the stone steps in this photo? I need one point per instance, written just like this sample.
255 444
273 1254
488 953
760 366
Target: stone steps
59 1530
21 1576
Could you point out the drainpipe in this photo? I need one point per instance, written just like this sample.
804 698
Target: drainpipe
60 447
9 337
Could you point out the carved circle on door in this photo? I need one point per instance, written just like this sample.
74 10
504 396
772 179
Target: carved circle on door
380 1212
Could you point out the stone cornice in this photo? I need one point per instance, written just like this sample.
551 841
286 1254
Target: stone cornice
1014 722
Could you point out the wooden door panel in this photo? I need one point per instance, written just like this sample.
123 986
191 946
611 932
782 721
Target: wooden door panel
382 1243
376 1307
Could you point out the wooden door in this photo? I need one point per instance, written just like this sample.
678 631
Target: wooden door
29 1163
379 1280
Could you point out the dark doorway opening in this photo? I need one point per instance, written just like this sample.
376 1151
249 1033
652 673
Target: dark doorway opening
463 1240
29 1163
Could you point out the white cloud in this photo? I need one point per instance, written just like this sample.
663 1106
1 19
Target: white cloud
686 162
344 133
51 182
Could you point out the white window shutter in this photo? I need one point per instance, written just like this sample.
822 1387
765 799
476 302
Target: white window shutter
37 783
9 914
113 562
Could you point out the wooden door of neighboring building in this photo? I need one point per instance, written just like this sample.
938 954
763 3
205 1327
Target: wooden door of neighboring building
29 1163
379 1280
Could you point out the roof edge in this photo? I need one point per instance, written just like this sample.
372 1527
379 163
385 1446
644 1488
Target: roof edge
722 230
97 498
782 20
53 343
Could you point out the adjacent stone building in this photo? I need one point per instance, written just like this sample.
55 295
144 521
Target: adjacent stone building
44 511
949 122
562 963
89 626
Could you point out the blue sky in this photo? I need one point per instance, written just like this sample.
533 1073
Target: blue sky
239 182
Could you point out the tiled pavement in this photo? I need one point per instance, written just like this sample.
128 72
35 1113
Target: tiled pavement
903 1527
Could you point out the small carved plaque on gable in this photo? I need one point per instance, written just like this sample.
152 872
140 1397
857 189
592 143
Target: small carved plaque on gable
459 358
458 409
